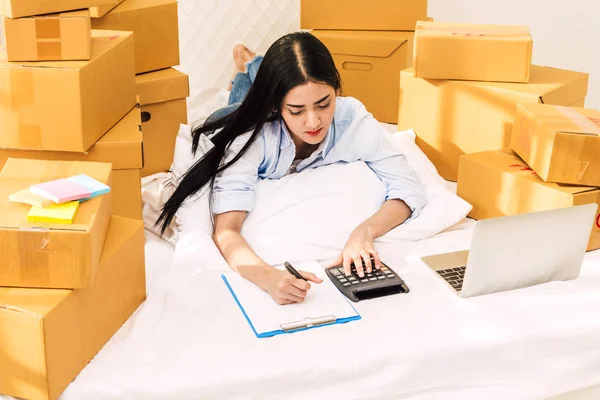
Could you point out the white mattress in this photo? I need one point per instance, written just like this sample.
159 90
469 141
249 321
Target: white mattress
190 340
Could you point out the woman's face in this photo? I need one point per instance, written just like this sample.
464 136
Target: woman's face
308 111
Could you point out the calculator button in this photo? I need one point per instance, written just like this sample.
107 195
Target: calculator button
369 275
373 279
352 279
383 267
380 277
346 284
364 280
343 280
355 282
336 271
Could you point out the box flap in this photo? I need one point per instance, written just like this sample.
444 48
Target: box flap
430 28
131 5
507 161
121 230
363 43
24 8
544 83
65 14
122 144
163 85
76 14
37 302
19 174
560 86
102 41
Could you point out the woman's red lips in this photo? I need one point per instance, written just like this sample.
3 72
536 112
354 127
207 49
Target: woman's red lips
313 133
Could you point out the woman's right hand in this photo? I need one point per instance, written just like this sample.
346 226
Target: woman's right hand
285 288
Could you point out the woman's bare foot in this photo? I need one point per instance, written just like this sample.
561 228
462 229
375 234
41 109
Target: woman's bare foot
241 55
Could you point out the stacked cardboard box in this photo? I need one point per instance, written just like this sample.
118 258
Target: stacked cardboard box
461 94
68 107
554 152
61 109
472 92
162 90
370 43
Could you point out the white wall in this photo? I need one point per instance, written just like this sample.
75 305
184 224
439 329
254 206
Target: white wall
566 33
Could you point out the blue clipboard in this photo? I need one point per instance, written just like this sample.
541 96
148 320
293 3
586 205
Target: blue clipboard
293 326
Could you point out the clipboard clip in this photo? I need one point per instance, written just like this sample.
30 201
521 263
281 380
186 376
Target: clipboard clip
306 323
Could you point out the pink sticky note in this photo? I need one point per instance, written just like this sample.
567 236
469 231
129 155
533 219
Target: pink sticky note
61 190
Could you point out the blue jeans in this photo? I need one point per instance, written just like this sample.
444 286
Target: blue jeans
240 86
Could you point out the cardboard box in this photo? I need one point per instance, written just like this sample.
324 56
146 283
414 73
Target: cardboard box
499 183
494 53
127 193
45 255
369 65
122 147
48 336
64 36
452 118
561 144
385 15
155 27
67 105
162 96
26 8
101 11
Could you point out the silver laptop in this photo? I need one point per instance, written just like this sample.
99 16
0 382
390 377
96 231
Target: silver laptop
519 251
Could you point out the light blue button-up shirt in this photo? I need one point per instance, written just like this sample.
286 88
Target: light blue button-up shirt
354 135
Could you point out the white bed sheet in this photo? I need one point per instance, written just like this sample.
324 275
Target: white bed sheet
190 341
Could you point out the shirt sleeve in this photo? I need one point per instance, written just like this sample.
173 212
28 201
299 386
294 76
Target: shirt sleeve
233 189
388 163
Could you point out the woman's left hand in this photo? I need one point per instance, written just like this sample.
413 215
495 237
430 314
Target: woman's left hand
357 249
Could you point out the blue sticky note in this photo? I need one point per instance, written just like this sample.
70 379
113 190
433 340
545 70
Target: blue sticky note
95 187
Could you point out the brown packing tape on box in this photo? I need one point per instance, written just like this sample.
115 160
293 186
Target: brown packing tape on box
22 92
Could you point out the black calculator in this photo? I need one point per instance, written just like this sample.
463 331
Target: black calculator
378 283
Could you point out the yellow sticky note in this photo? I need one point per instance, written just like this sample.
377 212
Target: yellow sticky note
54 214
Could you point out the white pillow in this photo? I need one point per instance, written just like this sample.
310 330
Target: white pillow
309 215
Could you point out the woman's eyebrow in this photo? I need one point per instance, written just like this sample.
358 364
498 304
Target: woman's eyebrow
316 102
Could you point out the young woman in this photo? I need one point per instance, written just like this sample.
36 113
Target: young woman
285 116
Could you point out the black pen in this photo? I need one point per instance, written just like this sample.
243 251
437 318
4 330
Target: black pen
293 271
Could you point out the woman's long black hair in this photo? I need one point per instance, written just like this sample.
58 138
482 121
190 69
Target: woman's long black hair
292 60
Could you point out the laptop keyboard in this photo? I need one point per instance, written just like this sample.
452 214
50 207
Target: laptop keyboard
454 276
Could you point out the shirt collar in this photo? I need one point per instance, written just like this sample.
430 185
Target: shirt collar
324 147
